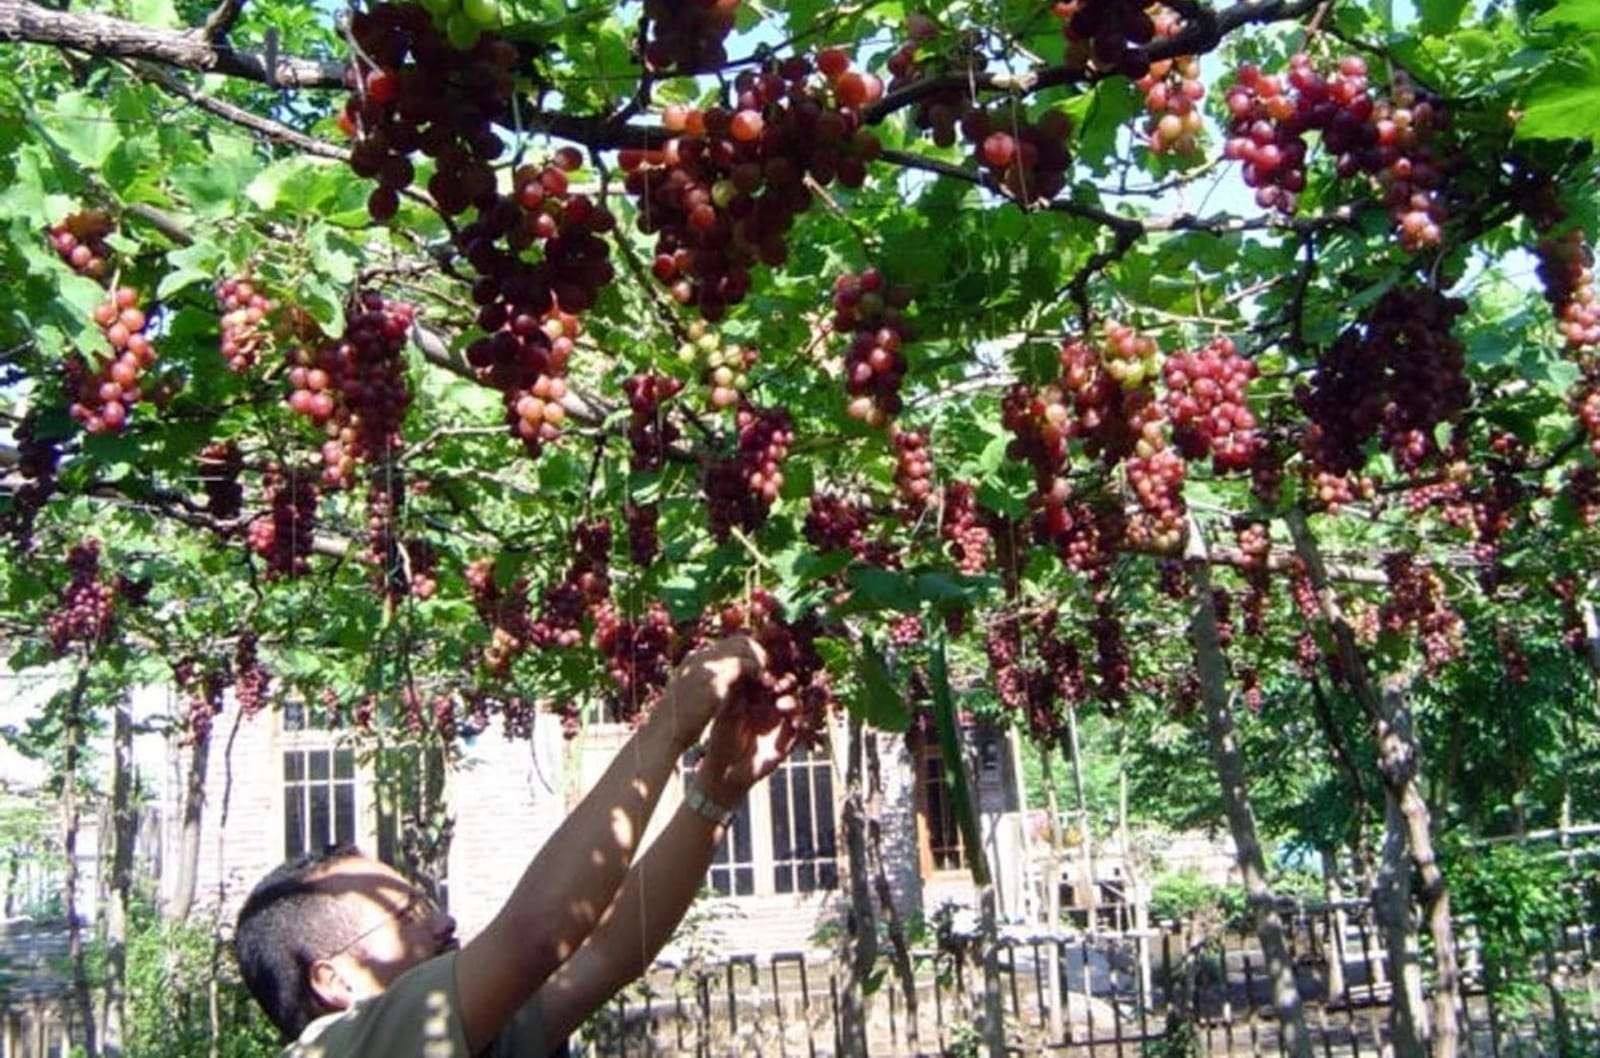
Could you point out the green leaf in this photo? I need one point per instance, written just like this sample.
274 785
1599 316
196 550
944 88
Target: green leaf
955 765
1582 14
1562 102
82 126
881 589
881 703
1440 16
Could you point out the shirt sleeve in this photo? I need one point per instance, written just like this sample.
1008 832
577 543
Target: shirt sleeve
523 1036
418 1016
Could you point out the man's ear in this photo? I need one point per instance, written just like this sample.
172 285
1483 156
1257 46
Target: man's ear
329 985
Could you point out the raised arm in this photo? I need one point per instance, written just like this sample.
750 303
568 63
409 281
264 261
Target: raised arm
575 876
740 752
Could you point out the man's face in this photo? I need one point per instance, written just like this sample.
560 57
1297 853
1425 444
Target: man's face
396 925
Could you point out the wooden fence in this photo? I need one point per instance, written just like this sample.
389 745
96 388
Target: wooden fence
1115 998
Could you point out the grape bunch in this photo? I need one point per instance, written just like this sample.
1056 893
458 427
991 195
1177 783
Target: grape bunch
740 490
463 21
244 315
913 468
1110 35
1570 595
650 434
834 523
1155 473
37 460
251 680
644 540
1113 666
1024 159
1255 546
1172 579
354 389
585 585
1514 660
721 195
202 689
1416 601
284 535
906 631
1398 373
1583 489
87 607
723 369
504 611
104 396
80 240
1566 269
1172 92
1206 403
794 684
534 402
963 530
686 36
1586 406
1002 644
874 315
219 466
1389 139
636 653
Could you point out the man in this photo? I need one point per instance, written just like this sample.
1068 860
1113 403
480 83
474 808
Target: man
350 960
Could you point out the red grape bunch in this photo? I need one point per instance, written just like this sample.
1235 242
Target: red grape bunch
1130 358
1398 373
87 607
1025 159
244 328
354 389
794 684
284 535
1566 269
203 690
834 523
1255 546
1205 400
103 397
637 655
585 585
1583 489
251 680
220 464
721 195
740 490
504 611
644 539
1569 593
1002 643
80 240
1172 92
1109 34
650 434
963 530
1113 666
686 36
1416 600
1155 473
1389 139
913 469
874 315
1586 406
37 460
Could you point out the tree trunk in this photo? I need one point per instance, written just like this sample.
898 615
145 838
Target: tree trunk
194 804
900 954
83 999
1399 765
123 833
1391 905
1236 806
1052 979
861 932
994 1017
1333 894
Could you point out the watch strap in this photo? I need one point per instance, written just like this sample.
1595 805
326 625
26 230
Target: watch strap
702 804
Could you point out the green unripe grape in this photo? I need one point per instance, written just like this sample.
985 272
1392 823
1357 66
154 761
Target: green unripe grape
441 10
723 192
741 383
688 353
461 31
484 13
708 342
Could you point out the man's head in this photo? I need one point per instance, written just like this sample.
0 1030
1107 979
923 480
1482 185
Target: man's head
331 928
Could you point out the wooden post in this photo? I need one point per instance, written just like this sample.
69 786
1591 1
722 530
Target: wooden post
1229 762
122 820
1052 903
83 1000
1399 766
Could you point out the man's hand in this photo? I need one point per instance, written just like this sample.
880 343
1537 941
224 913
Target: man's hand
746 745
704 684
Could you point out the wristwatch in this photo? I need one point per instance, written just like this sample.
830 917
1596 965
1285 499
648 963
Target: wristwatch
703 805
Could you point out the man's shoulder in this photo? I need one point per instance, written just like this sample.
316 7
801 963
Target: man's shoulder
416 1015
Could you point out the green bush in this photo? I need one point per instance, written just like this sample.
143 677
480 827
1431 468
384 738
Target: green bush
1518 899
1184 894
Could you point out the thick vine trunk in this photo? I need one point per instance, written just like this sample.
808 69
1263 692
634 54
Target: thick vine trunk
1391 905
1333 894
899 945
994 1016
83 999
122 837
1399 766
1229 763
1091 891
194 804
861 936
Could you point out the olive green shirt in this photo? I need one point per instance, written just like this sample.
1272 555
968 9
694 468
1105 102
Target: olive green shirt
419 1016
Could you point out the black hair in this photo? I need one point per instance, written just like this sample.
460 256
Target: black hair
285 925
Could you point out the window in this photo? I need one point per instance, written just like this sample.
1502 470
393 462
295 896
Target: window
803 826
319 799
938 831
783 839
